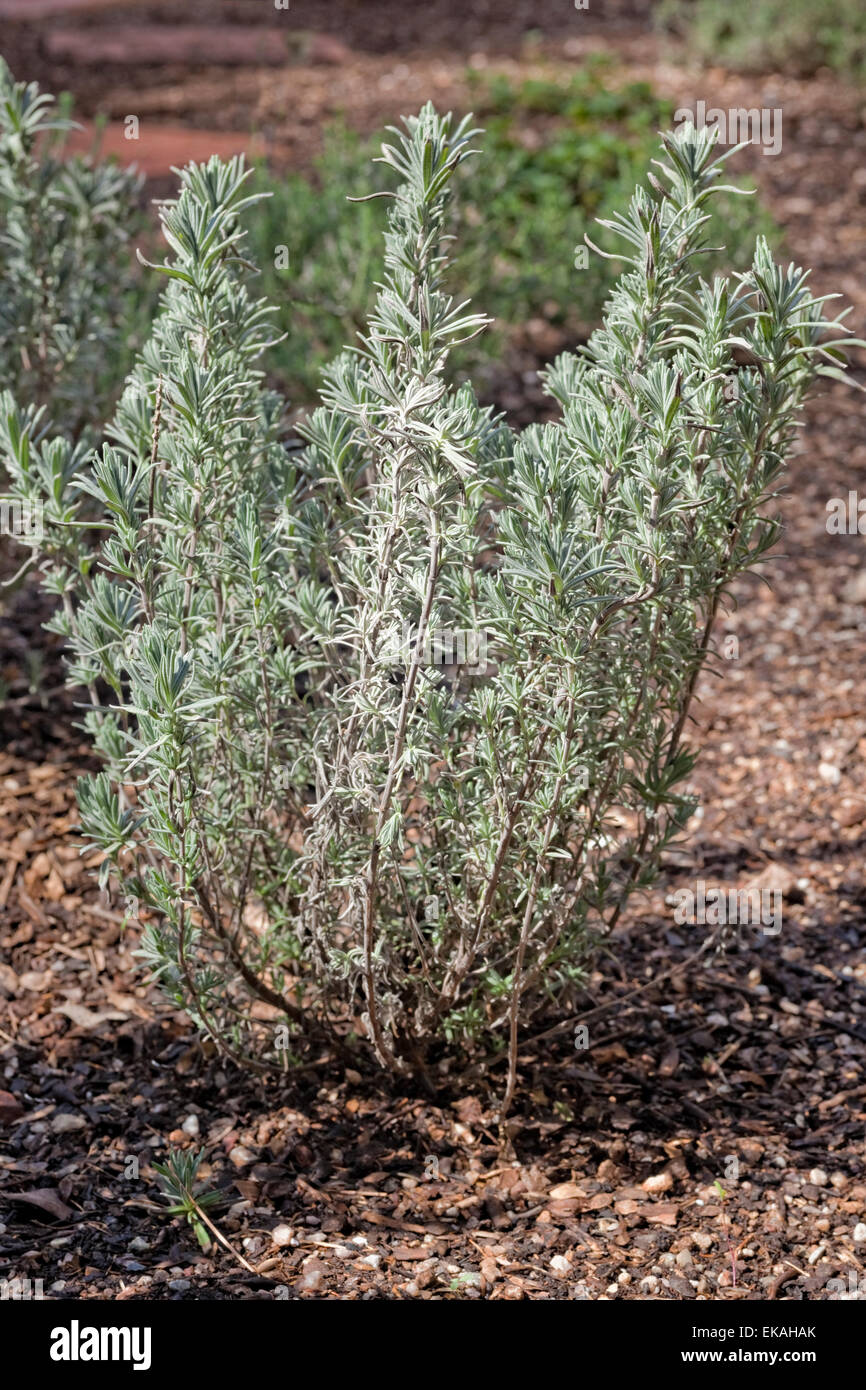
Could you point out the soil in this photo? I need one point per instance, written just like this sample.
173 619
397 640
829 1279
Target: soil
708 1143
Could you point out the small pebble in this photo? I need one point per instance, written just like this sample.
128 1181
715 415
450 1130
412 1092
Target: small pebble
311 1279
240 1156
658 1182
65 1124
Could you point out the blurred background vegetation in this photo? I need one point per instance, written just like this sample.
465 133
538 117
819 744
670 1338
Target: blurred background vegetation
556 154
554 157
756 36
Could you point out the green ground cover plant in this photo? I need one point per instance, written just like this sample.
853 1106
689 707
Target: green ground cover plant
798 36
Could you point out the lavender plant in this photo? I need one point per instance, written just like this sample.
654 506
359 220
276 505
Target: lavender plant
393 726
168 613
65 289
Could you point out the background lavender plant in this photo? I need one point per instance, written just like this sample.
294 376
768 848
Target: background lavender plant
66 223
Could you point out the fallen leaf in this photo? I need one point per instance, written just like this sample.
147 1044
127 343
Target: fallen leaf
46 1199
663 1213
11 1108
86 1018
565 1191
627 1206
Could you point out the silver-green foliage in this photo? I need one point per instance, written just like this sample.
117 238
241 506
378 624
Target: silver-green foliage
331 837
65 227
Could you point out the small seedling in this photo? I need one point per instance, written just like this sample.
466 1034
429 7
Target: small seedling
178 1177
732 1249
